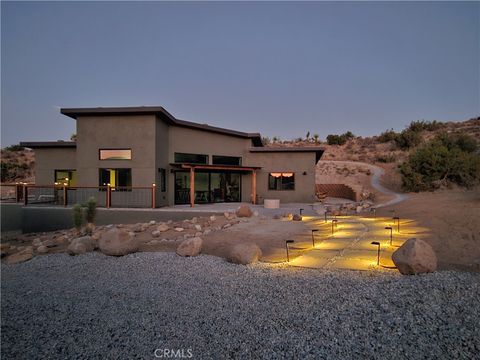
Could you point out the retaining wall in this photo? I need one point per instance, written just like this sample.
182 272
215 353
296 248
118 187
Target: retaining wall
338 191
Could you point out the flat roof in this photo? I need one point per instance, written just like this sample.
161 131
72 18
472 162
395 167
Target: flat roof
160 112
48 144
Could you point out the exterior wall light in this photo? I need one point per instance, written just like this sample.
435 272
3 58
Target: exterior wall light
378 250
391 233
313 236
286 246
301 210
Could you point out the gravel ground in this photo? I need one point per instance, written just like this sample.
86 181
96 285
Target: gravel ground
94 306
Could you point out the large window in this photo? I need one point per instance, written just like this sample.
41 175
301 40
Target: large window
66 177
226 160
115 154
115 177
281 181
191 158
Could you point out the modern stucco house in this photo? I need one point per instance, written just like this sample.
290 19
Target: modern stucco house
141 146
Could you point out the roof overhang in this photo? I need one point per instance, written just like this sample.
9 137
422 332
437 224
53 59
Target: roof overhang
48 144
215 167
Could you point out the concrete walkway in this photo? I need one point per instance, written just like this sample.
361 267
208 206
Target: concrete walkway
377 173
350 245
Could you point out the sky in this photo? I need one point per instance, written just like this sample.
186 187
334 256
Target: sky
280 68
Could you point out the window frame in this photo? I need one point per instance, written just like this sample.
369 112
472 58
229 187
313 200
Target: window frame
110 149
207 158
279 181
227 156
100 184
69 177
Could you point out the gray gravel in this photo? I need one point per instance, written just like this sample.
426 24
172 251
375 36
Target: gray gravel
94 306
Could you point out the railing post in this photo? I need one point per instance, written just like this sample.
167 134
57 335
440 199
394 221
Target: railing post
154 196
25 195
17 193
109 196
65 192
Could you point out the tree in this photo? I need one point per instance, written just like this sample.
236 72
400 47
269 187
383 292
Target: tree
316 138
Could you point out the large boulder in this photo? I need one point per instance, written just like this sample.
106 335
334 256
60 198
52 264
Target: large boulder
117 243
81 245
244 254
297 217
190 247
244 211
415 257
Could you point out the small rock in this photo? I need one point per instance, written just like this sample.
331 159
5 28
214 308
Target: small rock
49 243
163 227
297 217
179 229
213 218
156 233
255 213
226 226
152 222
76 249
244 211
198 227
207 231
42 249
190 247
19 257
198 233
81 245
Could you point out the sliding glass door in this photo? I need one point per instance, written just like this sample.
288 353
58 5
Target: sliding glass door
210 187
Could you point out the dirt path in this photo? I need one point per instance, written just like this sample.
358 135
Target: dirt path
377 173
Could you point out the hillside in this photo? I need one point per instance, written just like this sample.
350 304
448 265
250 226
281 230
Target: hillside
17 164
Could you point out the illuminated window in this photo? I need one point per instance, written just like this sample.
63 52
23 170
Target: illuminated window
226 160
281 181
191 158
115 154
115 177
66 177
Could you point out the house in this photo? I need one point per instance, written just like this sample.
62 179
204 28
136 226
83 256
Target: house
188 162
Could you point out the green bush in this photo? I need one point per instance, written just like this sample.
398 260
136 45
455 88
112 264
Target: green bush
421 125
333 139
16 147
387 158
77 216
91 210
387 136
443 160
408 139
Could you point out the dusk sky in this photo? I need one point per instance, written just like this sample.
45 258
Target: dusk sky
278 68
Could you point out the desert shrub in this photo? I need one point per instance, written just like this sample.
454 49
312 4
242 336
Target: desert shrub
408 139
333 139
387 136
266 140
91 210
16 147
77 216
443 160
421 125
386 158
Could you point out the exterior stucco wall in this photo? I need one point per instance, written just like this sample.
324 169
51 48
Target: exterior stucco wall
298 163
47 160
186 140
116 132
162 160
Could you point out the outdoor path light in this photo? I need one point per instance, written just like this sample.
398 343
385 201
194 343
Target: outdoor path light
313 236
391 233
334 224
378 250
326 212
398 222
286 246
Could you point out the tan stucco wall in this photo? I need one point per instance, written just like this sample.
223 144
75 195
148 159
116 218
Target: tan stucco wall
162 160
135 132
186 140
47 160
297 163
